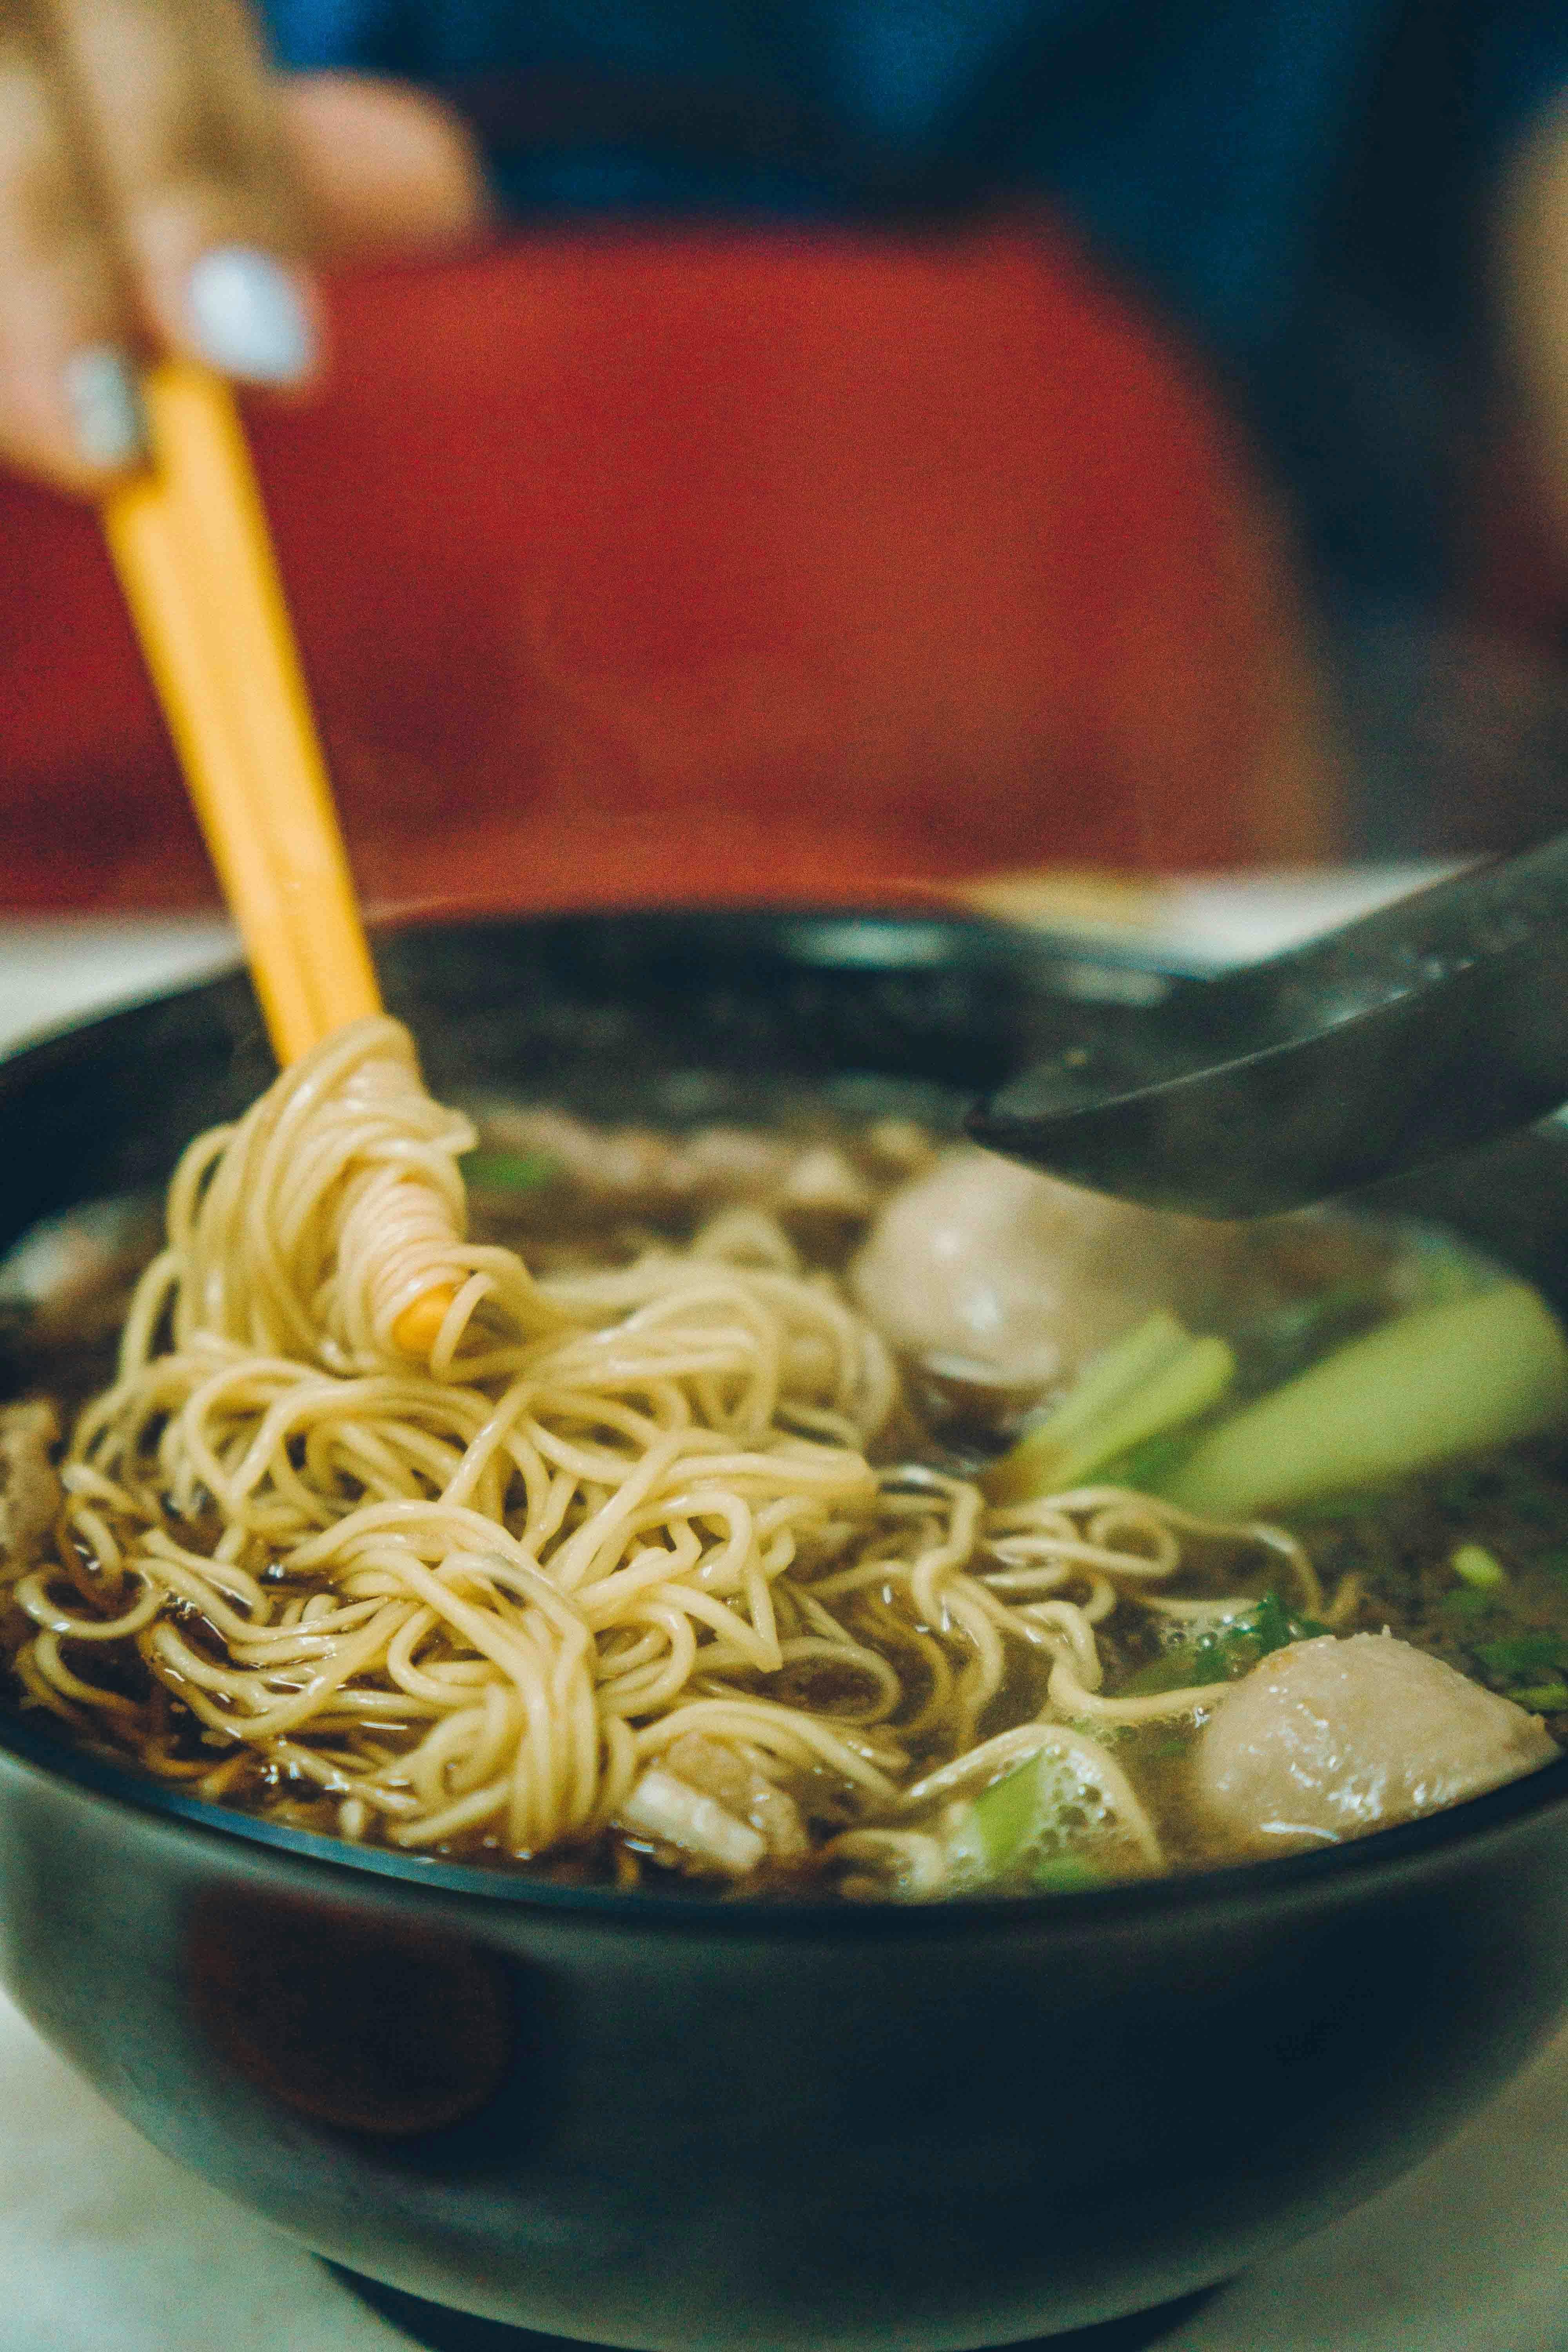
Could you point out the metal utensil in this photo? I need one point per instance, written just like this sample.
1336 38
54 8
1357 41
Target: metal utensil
1432 1026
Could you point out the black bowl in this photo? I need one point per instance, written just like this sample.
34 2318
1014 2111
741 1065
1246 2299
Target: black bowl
682 2122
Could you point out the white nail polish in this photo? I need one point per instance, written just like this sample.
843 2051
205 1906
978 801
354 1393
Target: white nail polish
248 316
105 406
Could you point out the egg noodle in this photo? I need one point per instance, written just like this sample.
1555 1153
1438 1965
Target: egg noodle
467 1602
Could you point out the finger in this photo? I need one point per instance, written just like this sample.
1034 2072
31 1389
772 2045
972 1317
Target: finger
385 169
68 404
184 122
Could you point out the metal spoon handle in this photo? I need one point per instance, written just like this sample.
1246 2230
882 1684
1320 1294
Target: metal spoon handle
1426 1029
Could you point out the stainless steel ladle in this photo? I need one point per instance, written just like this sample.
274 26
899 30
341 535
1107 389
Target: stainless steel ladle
1432 1026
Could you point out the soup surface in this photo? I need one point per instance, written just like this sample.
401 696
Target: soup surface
859 1515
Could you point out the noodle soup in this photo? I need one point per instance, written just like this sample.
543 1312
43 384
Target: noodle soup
825 1512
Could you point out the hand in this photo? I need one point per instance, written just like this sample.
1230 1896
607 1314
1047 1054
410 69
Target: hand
162 188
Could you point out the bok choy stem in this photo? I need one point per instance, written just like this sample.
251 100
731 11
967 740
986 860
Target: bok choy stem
1152 1379
1446 1381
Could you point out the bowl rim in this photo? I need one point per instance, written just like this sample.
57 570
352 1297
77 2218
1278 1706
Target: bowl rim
1405 1846
28 1739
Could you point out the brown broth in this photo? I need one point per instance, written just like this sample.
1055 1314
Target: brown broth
569 1197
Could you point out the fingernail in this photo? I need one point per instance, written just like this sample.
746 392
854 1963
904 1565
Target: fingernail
249 316
105 406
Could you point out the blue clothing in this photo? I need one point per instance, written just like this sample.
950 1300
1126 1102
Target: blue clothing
1198 141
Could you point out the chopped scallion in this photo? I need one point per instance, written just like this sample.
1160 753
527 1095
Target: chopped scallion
1477 1565
1523 1656
1541 1698
508 1171
1225 1652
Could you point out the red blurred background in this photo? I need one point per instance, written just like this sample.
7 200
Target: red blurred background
653 564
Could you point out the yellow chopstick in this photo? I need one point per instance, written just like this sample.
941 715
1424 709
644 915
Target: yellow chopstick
190 543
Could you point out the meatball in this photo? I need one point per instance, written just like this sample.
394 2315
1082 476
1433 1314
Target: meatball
1330 1738
989 1272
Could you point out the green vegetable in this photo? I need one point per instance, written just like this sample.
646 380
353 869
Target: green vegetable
1479 1567
1013 1830
508 1171
1273 1625
1150 1382
1469 1602
1009 1815
1065 1873
1523 1654
1136 1357
1146 1467
1533 1666
1445 1381
1225 1652
1183 1666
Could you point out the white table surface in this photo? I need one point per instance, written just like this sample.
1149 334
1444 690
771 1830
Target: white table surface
105 2246
51 971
